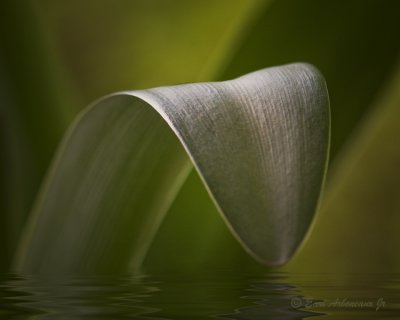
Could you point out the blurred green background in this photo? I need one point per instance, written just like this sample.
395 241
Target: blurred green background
58 56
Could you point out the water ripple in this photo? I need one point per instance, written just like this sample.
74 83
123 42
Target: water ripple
217 295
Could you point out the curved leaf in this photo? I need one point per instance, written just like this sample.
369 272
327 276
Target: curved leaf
54 56
259 143
362 199
354 45
355 56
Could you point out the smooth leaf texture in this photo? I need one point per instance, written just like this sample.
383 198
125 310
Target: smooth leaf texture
36 106
55 57
259 143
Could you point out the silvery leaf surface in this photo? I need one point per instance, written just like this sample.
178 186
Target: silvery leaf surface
259 143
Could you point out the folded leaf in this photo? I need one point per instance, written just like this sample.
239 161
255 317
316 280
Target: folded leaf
54 56
356 58
362 199
258 142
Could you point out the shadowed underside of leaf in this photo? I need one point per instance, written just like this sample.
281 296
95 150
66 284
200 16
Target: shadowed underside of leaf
258 142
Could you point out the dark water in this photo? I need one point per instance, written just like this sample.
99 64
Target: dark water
220 295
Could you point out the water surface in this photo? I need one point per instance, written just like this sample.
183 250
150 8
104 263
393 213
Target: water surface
211 295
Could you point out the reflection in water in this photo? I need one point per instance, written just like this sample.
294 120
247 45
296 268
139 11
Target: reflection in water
89 298
271 298
224 295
